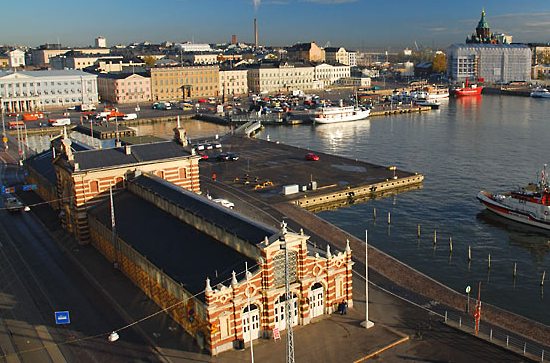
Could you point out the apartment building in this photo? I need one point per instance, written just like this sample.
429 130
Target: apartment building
173 83
233 82
124 87
330 74
306 52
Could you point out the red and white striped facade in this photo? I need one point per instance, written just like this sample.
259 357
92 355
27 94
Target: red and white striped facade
79 190
317 283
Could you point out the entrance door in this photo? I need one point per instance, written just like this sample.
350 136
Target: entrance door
317 300
280 312
251 323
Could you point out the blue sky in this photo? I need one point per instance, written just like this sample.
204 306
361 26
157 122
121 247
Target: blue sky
350 23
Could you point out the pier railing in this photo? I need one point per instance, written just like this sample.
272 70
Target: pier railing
497 336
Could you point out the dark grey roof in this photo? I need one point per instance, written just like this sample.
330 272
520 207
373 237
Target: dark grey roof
181 251
42 164
234 223
105 158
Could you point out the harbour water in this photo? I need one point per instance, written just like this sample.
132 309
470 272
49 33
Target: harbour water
494 143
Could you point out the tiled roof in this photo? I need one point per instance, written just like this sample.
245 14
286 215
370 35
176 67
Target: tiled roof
233 223
182 252
105 158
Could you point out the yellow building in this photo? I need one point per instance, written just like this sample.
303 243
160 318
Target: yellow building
306 52
173 83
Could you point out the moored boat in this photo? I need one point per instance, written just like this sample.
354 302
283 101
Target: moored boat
326 115
529 205
468 89
540 92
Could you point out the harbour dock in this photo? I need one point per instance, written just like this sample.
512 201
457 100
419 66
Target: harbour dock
271 165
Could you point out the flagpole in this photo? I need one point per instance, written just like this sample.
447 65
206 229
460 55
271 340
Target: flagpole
367 323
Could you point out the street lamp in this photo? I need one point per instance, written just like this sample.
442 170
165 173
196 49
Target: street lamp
468 289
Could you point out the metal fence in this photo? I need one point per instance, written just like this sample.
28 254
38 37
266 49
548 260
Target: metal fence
497 336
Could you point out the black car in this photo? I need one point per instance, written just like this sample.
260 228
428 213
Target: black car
228 157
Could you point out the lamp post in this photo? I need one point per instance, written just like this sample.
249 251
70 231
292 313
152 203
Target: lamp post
468 289
4 137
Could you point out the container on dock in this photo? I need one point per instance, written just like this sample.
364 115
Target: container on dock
291 189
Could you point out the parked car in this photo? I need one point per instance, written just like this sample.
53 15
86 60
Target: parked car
228 157
224 202
13 204
203 156
312 157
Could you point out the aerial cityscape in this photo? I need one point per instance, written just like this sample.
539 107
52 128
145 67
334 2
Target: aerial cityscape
274 180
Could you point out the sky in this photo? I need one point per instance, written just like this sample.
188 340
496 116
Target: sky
354 24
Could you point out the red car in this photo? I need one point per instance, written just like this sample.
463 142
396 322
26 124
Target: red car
312 157
203 156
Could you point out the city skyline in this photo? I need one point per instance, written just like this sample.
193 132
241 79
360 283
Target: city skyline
280 22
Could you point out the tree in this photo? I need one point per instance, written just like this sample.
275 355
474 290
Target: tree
439 63
149 60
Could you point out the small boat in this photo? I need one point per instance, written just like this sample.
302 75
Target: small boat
327 115
529 205
468 89
436 93
540 92
427 102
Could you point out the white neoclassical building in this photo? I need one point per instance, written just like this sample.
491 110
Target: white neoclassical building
331 74
281 77
233 82
39 90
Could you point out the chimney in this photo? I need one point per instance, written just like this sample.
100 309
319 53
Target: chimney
255 33
128 150
234 39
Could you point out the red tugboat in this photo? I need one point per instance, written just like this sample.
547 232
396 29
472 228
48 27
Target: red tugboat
467 90
529 205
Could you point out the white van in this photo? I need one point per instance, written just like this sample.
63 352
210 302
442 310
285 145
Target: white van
130 116
60 122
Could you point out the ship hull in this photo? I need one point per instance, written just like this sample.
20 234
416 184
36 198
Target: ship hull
488 200
459 92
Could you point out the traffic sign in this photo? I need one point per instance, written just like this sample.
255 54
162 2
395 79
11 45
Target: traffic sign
8 190
4 139
62 317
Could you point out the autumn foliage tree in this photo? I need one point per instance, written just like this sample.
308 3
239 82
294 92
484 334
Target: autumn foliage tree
439 63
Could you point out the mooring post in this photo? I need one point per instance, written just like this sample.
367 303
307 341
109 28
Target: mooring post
507 340
489 262
374 213
515 269
491 334
543 277
445 316
524 348
389 217
418 230
435 236
450 244
469 253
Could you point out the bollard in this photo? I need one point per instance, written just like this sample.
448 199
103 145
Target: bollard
389 217
515 269
451 244
418 230
507 340
469 253
460 322
491 334
489 262
524 348
374 213
445 316
435 236
543 277
542 356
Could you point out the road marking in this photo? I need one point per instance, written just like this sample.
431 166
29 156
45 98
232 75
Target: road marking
49 344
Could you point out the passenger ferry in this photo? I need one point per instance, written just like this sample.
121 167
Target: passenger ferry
328 115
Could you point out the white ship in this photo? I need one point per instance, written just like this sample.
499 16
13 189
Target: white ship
328 115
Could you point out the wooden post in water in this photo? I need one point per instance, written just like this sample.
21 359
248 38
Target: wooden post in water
515 269
418 230
469 253
489 262
435 236
374 213
543 277
450 244
389 217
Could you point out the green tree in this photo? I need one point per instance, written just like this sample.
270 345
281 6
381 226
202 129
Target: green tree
439 63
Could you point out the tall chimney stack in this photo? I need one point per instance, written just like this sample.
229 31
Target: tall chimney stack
255 34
